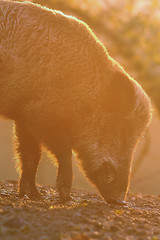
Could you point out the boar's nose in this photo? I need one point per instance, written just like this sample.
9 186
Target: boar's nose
118 200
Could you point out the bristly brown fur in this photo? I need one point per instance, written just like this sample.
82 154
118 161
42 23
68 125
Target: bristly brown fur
64 91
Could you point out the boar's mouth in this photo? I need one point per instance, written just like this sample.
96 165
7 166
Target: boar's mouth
117 200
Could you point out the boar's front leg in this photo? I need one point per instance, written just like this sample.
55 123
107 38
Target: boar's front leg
60 145
28 152
64 176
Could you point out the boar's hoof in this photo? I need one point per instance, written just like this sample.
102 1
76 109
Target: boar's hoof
116 202
30 191
64 200
33 194
64 195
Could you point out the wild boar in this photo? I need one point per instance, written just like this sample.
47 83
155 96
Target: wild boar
65 93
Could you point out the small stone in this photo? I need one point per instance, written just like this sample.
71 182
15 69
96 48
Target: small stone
118 212
25 228
114 228
81 237
98 225
154 238
12 231
1 211
44 238
14 223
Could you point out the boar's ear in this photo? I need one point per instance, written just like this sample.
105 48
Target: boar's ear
120 97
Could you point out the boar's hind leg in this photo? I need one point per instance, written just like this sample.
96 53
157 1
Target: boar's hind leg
61 147
28 152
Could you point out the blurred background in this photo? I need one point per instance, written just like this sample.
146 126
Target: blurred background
130 30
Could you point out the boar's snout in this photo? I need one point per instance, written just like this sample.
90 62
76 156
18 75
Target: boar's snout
118 199
112 183
113 195
116 202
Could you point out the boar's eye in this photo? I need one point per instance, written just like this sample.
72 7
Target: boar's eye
109 178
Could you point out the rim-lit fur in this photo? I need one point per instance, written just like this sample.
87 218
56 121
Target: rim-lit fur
63 90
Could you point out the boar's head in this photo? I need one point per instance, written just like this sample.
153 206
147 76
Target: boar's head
123 118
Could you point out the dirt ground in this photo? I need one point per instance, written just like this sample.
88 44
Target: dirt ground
86 217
